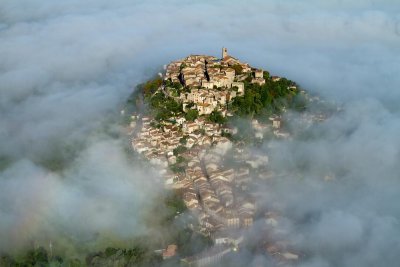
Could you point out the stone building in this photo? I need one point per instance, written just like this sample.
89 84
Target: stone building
224 52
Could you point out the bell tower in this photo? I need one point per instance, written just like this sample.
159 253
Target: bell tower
224 52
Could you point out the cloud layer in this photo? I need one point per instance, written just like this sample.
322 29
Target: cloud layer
341 188
67 68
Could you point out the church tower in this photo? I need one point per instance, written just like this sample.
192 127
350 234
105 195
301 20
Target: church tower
224 52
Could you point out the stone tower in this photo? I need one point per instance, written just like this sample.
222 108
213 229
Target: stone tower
224 52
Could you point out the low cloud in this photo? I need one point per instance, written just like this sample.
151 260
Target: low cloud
102 195
339 188
68 67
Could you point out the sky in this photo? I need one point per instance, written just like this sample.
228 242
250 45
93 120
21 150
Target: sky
67 68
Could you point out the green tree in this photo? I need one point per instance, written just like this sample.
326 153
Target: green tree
216 117
191 114
266 99
183 140
179 150
164 107
177 168
151 86
180 159
37 257
177 85
175 203
238 69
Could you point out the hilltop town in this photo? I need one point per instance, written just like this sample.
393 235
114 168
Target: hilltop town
187 133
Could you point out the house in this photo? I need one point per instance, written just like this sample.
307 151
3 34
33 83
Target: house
246 221
289 256
220 80
230 73
227 237
190 200
195 134
245 67
229 61
281 134
229 129
155 160
228 174
172 159
170 251
204 108
145 119
259 81
208 257
168 128
141 147
239 86
211 166
275 78
190 127
226 197
190 142
231 220
206 84
180 120
258 73
276 123
200 121
205 141
272 219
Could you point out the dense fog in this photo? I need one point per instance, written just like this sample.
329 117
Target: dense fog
67 68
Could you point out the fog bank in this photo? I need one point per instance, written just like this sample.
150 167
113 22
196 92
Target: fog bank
67 68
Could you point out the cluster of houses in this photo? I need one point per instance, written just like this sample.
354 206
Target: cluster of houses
210 194
207 100
157 144
216 194
207 188
203 74
277 246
